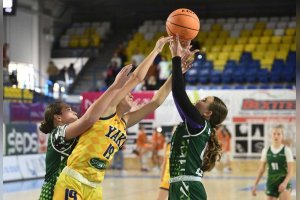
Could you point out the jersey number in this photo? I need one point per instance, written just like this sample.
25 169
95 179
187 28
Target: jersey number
274 166
110 150
70 193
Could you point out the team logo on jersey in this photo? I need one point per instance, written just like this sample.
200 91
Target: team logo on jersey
98 163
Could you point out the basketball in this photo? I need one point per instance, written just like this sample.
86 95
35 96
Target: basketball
183 22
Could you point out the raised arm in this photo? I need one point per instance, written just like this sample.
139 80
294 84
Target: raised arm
98 107
186 109
160 96
139 74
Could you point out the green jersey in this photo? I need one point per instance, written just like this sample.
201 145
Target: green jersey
58 151
187 151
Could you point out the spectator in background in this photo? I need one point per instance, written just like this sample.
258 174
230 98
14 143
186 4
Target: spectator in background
71 73
137 57
111 73
143 147
118 160
224 138
52 72
158 141
122 54
6 55
164 70
151 83
116 58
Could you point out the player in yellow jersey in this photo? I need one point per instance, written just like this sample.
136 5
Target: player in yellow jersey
86 166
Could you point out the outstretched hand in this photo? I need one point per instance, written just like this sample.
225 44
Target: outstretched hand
161 43
123 76
188 58
176 48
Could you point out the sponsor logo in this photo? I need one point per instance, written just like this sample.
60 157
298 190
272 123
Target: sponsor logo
252 104
98 163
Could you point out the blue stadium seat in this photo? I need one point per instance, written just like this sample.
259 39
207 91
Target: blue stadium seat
278 87
227 76
191 76
239 87
291 56
251 75
246 57
208 65
231 64
254 64
252 87
226 87
263 76
204 75
239 75
216 77
290 87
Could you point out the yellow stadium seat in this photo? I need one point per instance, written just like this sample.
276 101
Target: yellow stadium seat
290 31
268 32
293 47
227 48
260 25
220 41
272 47
257 33
219 64
235 56
223 56
284 47
242 40
231 41
201 36
212 35
287 39
224 34
238 48
281 55
250 47
267 62
270 54
216 27
209 42
276 39
245 33
216 48
253 40
95 41
74 41
265 40
261 47
257 55
212 56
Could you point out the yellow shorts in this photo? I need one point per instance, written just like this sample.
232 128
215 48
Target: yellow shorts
164 184
68 188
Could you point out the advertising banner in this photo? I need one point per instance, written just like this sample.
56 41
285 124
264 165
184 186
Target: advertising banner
11 168
21 139
27 111
32 166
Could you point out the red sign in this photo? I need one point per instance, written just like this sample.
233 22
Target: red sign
252 104
140 99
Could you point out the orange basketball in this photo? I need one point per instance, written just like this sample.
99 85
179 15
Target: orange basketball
184 22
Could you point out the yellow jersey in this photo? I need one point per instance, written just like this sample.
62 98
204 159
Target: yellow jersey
97 146
164 184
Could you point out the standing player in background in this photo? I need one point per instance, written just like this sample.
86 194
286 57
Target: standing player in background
165 172
279 159
158 141
85 170
64 126
224 138
144 146
194 145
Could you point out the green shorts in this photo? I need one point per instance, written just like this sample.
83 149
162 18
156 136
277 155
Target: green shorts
187 190
273 184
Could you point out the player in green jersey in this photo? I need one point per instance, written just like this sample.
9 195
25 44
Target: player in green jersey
194 145
63 127
279 159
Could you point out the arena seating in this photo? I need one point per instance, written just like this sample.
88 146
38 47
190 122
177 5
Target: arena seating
234 50
84 35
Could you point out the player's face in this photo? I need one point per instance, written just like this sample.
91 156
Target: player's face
68 115
203 104
277 136
128 101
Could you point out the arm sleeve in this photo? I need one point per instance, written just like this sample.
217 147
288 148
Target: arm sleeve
186 109
264 155
288 154
58 141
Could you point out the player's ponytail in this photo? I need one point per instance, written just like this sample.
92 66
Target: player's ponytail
47 125
213 150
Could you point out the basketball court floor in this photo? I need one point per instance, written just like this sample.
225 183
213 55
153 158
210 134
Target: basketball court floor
135 185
